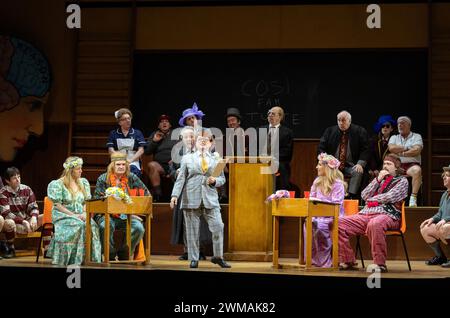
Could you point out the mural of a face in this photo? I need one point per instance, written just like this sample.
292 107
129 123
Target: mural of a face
24 89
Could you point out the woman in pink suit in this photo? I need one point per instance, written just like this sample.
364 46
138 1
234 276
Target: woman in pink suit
329 186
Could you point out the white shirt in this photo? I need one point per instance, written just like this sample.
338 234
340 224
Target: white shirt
413 139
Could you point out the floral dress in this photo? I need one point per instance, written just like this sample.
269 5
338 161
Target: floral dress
68 243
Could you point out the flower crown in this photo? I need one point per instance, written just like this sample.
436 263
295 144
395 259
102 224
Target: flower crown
118 194
73 163
329 160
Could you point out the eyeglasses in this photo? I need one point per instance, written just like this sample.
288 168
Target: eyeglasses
386 126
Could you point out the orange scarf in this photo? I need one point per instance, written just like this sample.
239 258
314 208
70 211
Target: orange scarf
121 182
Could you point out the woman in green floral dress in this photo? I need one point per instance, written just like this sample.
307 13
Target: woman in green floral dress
68 194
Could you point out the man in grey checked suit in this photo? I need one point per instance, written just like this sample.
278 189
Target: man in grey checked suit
200 197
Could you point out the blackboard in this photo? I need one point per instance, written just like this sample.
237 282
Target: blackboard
312 87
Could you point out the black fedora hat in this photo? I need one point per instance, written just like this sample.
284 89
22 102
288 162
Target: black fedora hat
233 111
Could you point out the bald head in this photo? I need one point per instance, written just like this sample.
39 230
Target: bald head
344 119
275 115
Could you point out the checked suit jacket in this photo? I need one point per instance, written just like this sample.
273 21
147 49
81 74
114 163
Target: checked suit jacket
192 181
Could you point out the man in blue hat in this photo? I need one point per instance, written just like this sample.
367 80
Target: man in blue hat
384 129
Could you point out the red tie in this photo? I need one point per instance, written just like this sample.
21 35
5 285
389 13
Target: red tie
343 150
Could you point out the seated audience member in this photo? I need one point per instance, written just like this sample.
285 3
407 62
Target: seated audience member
408 146
160 145
236 142
192 117
118 175
200 198
384 197
327 187
69 194
19 210
437 228
349 144
383 128
127 140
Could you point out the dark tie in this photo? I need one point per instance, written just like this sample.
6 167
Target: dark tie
269 140
343 150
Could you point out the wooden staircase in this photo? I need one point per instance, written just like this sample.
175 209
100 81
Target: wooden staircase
440 113
104 64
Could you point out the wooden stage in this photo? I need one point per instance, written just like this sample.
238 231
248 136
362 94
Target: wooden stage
250 276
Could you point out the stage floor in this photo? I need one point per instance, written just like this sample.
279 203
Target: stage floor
397 269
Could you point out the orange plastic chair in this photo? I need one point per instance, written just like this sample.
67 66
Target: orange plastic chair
351 207
46 223
396 232
139 255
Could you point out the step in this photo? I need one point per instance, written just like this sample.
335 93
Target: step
103 77
92 174
103 84
439 161
103 68
95 159
440 129
107 93
441 146
92 119
95 110
89 142
436 181
101 101
435 197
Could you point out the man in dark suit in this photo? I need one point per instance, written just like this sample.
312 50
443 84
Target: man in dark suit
349 143
279 146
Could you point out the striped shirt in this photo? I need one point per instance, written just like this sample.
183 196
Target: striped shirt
389 200
18 205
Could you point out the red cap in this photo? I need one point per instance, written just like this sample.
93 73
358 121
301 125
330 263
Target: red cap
162 117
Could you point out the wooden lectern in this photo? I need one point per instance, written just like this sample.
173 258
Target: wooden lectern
304 209
108 206
249 218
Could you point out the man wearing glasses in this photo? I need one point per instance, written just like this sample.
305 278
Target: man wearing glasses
127 140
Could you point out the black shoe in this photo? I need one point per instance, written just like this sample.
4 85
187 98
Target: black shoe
183 257
219 261
11 253
202 256
112 256
383 268
436 260
124 253
194 264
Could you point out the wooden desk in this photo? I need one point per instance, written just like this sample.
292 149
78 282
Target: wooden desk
303 209
140 206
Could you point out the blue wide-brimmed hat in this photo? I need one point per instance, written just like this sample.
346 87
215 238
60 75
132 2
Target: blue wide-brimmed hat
194 111
382 120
